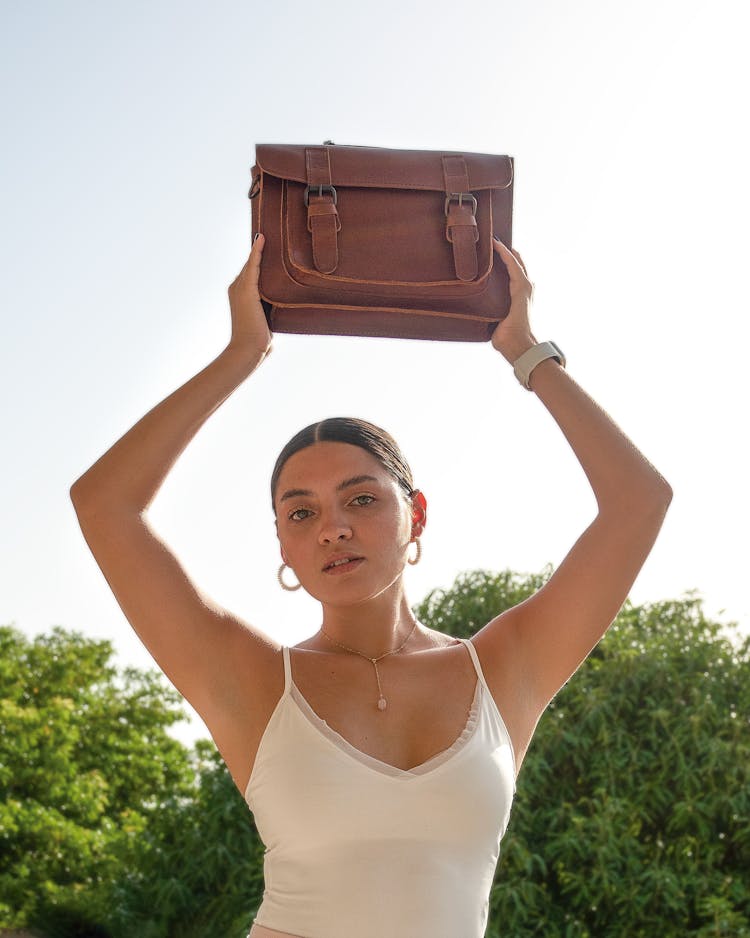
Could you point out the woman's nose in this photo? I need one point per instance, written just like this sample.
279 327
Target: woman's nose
334 529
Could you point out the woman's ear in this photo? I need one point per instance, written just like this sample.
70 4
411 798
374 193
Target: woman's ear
418 513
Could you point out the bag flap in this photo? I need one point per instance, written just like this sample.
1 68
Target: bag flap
377 167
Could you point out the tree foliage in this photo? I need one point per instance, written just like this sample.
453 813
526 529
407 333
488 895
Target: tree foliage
109 827
199 870
632 814
84 759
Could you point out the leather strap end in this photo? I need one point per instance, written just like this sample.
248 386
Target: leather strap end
324 241
462 232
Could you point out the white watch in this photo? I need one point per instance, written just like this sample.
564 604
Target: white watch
523 366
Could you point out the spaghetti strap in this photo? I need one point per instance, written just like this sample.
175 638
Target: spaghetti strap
287 670
480 674
475 658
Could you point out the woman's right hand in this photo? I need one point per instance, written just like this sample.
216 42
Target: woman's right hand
250 330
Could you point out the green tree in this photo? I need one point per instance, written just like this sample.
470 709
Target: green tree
85 758
632 815
199 868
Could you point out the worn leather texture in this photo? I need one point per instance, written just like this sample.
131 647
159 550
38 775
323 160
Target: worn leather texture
370 241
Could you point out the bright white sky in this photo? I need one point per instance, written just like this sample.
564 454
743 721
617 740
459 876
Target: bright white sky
129 133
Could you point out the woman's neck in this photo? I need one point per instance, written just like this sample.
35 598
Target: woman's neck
372 629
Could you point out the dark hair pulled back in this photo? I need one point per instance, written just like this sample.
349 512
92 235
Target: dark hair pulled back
357 432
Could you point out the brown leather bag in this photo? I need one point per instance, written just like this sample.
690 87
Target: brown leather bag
382 242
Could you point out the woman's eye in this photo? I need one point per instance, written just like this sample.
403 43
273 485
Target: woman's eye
363 500
299 514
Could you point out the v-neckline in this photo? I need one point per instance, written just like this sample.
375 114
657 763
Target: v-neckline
378 765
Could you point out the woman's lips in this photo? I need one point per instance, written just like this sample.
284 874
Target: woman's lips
342 568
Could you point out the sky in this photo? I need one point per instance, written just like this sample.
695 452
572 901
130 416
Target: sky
128 138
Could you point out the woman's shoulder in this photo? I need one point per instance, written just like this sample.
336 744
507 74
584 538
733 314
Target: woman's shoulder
435 639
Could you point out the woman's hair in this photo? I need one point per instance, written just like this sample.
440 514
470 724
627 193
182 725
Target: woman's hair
356 432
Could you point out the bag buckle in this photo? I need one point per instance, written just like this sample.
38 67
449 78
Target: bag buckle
461 196
320 189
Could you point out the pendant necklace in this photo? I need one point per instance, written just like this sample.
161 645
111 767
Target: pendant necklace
382 702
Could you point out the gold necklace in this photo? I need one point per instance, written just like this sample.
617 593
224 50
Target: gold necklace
382 702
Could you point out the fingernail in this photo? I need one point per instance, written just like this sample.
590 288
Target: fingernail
256 237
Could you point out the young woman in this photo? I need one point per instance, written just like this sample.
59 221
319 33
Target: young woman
379 756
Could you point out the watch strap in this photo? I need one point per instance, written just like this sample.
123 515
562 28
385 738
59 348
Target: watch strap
526 363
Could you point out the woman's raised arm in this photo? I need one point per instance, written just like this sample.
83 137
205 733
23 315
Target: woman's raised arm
193 641
540 643
130 473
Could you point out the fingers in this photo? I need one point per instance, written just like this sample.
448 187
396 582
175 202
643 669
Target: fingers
512 260
250 273
520 260
257 249
251 268
510 256
255 255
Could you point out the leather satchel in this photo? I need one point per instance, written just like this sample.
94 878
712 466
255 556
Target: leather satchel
380 242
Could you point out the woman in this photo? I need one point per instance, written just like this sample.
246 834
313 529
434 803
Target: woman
389 752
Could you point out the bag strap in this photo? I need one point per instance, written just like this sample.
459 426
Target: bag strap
461 222
323 220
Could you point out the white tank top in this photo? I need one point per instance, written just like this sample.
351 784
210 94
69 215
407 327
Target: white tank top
355 846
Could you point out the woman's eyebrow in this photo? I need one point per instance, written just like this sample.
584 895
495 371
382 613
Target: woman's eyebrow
347 483
355 480
295 493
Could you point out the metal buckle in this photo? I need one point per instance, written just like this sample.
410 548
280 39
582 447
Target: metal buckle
319 192
461 196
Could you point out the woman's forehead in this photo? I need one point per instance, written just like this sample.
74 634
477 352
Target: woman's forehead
328 464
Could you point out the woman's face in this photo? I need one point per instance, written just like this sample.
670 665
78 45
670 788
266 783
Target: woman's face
335 501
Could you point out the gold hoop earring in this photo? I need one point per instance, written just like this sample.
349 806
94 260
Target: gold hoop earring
419 553
285 586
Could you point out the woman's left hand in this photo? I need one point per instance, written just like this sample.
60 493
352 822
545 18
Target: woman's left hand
513 335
